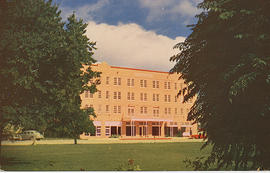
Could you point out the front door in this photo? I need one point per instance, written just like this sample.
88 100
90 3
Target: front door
142 130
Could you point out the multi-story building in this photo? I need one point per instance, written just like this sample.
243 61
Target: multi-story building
136 102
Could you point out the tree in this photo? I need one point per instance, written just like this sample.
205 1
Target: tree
41 66
225 63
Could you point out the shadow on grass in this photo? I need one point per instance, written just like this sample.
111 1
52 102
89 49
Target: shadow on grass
9 161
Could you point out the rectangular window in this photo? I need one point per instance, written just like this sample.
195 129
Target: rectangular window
119 81
91 95
107 131
141 96
86 94
115 109
165 85
154 97
107 94
157 97
132 82
119 109
131 111
169 111
169 98
119 95
128 82
156 111
99 94
141 83
145 83
157 84
145 97
165 98
169 85
145 110
107 80
165 111
128 96
98 131
154 84
132 96
115 80
141 110
107 108
115 95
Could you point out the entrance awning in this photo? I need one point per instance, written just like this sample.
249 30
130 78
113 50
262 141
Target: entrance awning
150 119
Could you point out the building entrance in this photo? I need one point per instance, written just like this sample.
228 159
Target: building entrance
142 131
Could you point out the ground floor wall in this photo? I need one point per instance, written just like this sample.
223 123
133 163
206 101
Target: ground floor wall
131 129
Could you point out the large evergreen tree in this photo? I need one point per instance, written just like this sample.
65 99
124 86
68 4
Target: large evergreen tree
41 62
225 62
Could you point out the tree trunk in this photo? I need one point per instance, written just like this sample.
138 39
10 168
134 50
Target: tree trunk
1 133
75 140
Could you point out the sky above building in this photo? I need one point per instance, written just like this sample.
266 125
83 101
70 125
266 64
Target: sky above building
134 33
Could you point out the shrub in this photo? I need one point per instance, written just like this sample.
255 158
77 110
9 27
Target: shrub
130 166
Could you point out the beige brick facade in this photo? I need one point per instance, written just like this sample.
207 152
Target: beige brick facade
137 103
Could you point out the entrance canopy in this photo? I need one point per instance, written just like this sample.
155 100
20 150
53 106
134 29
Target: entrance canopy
150 119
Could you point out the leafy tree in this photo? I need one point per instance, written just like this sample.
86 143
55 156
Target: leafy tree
41 71
225 63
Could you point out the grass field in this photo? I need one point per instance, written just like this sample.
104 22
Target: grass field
100 157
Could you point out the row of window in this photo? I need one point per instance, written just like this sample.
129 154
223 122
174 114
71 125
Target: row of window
131 96
143 110
143 83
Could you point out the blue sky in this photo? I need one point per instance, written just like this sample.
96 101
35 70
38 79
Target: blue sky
148 26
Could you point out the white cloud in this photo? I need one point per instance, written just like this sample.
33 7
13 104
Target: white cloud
160 8
85 11
130 45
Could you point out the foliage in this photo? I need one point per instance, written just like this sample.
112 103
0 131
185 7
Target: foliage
130 166
41 74
114 136
179 133
225 63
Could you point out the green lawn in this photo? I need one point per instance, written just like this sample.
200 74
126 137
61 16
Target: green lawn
97 157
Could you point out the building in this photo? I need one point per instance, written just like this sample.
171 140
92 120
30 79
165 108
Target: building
138 103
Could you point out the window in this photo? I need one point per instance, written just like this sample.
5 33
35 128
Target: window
141 97
145 83
145 110
99 94
107 108
165 98
115 109
156 112
119 95
141 83
128 82
169 85
119 109
132 82
169 98
107 94
154 84
145 97
132 96
141 110
119 81
86 94
154 97
115 80
98 131
115 95
165 85
91 95
86 106
165 111
131 111
157 84
169 111
107 80
107 131
128 96
157 97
